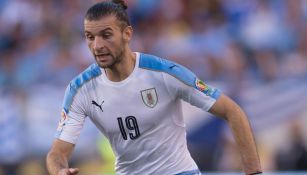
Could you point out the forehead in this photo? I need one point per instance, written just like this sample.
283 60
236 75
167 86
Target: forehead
109 21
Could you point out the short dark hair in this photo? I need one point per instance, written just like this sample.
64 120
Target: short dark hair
114 7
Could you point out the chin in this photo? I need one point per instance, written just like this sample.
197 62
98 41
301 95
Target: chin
104 65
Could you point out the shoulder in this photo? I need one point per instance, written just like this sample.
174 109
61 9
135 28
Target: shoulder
174 69
75 84
91 72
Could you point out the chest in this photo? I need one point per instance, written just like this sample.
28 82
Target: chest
133 108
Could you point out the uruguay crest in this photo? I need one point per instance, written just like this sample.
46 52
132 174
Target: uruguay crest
150 97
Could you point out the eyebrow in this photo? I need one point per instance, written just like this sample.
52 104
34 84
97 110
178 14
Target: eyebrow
104 30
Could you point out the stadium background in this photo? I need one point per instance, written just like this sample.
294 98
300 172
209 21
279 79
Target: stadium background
255 51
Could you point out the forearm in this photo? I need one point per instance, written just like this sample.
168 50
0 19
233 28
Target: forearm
244 138
56 162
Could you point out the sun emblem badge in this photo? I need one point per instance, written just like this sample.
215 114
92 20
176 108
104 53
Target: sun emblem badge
200 85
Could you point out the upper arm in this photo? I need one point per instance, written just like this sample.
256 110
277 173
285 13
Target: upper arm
224 106
62 148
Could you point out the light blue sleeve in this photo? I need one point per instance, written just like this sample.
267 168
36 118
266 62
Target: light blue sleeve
74 106
181 82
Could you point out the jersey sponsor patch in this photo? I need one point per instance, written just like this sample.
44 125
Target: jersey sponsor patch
62 121
200 85
150 97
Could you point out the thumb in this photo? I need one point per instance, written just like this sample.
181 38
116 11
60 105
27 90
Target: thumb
73 171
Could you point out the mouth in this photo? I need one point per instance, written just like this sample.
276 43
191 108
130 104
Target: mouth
102 57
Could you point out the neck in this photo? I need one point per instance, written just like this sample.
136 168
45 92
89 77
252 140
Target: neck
122 69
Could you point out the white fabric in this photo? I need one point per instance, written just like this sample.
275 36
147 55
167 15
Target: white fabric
161 147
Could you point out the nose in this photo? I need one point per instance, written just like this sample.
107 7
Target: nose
98 43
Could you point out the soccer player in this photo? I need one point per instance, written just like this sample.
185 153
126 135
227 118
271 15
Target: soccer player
134 99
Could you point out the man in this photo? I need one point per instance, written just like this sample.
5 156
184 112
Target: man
134 100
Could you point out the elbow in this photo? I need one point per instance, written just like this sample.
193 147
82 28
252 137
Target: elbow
233 112
227 109
49 160
54 155
51 156
55 161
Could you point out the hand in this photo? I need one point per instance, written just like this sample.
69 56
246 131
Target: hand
69 171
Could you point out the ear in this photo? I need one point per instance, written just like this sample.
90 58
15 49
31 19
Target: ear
127 33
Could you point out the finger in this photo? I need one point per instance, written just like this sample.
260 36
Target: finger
73 171
64 172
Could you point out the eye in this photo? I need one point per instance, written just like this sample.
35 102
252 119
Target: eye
90 37
106 35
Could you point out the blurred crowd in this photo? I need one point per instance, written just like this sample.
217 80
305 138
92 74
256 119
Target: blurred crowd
255 51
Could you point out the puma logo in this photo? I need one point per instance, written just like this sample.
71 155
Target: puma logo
96 104
174 65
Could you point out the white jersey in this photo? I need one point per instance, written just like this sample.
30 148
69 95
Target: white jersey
141 115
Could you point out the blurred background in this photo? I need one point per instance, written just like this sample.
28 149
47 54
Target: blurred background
255 51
